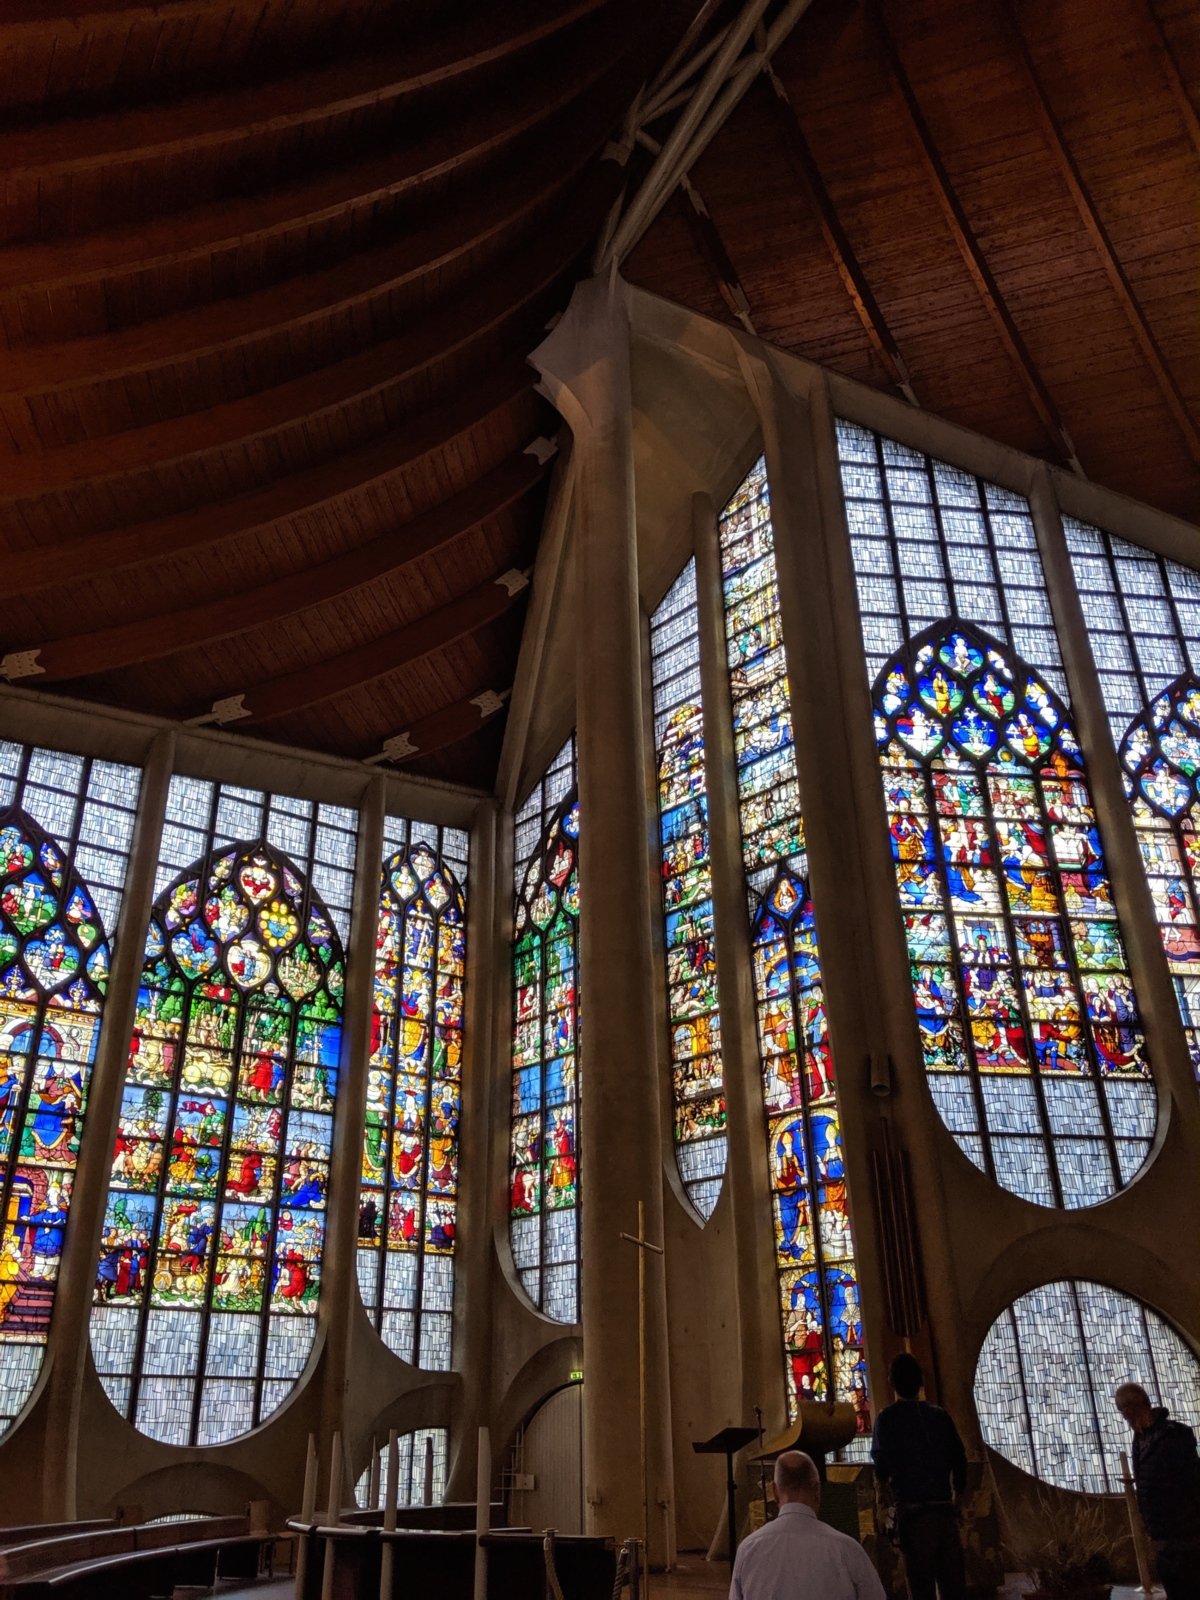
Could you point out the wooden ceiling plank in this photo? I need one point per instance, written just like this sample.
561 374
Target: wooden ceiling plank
968 246
226 224
32 19
1089 215
444 332
1174 77
849 269
380 657
199 122
476 219
248 609
28 571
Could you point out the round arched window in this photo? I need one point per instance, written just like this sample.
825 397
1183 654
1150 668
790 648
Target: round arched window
1048 1370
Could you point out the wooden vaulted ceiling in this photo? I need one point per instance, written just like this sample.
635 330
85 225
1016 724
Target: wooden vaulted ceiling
269 276
270 271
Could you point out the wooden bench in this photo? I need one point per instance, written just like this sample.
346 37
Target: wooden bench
149 1559
25 1532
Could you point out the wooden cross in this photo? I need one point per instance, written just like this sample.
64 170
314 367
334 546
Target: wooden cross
643 1244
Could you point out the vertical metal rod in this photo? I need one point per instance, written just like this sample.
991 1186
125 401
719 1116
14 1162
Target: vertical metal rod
642 1384
483 1506
427 1494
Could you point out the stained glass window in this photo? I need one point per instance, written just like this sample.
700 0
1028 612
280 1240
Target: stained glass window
930 541
1143 617
407 1205
410 1483
210 1262
1027 1015
1048 1370
66 824
814 1246
694 1017
544 1170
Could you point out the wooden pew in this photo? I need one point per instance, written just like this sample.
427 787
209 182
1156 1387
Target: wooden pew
452 1514
23 1533
150 1558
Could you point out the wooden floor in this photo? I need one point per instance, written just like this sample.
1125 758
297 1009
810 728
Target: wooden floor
693 1576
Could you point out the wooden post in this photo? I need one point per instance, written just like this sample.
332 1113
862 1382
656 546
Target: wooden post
643 1244
483 1506
391 1488
427 1480
373 1476
1136 1528
333 1515
307 1507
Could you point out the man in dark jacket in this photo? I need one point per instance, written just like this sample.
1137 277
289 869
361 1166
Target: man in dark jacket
1166 1470
919 1456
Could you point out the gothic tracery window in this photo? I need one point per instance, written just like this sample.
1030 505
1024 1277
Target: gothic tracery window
814 1248
1027 1015
66 824
209 1273
1143 618
408 1202
693 1010
544 1170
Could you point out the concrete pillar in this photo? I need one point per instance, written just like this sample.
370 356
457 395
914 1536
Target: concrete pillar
339 1275
747 1174
585 370
1165 1038
68 1353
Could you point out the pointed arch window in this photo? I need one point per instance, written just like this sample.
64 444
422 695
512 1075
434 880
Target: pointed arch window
544 1169
1027 1015
66 825
814 1247
1160 755
407 1221
693 1006
209 1274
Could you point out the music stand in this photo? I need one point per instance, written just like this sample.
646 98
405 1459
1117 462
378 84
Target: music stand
727 1443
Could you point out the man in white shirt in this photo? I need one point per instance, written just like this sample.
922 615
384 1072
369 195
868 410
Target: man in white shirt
796 1557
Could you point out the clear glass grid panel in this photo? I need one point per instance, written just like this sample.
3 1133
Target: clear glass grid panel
420 1475
1049 1368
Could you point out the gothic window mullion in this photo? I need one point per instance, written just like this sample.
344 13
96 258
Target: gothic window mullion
1017 974
956 969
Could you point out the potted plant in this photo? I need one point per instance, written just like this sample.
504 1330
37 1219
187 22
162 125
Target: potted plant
1074 1561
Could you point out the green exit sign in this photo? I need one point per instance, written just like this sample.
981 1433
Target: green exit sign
577 1376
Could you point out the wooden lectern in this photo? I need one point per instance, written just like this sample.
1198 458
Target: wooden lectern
818 1430
727 1443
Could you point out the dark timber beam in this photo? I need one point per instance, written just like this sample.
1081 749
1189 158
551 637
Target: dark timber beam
229 224
379 657
1175 78
27 571
248 610
968 246
448 725
202 121
1101 242
849 268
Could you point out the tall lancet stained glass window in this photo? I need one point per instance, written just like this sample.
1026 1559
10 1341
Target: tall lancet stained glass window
544 1168
1143 618
694 1018
407 1206
66 824
819 1300
1026 1012
210 1260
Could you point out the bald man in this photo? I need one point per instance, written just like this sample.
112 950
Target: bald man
1166 1470
796 1557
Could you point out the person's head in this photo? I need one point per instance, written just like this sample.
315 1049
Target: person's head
906 1376
1134 1405
797 1480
